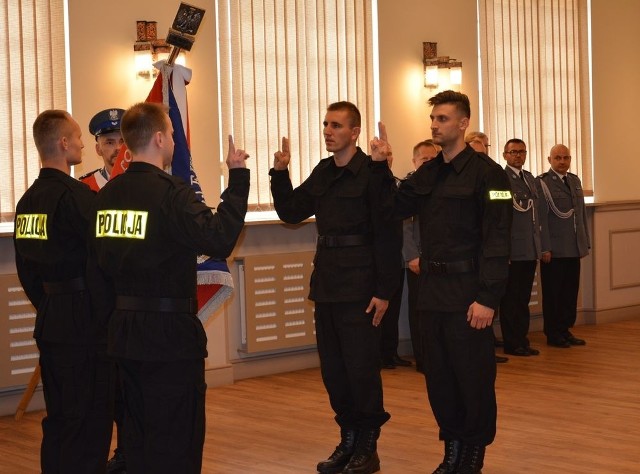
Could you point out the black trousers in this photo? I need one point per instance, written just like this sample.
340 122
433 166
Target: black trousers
414 318
514 307
389 337
460 372
77 383
349 350
118 414
560 285
164 415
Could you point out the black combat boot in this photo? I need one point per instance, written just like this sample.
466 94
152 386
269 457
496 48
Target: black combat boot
365 457
340 457
471 459
449 464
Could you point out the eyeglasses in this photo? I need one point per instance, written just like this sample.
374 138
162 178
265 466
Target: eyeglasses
517 152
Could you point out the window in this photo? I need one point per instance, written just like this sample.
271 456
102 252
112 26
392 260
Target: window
32 79
535 79
281 63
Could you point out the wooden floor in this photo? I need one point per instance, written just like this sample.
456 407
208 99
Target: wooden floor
566 411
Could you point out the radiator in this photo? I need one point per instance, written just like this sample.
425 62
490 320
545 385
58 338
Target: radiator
18 353
274 310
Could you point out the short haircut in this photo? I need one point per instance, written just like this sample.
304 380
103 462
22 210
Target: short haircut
428 142
516 141
140 122
473 135
48 127
460 100
354 113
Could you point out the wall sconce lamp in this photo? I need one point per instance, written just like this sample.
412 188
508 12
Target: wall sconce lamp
433 63
148 49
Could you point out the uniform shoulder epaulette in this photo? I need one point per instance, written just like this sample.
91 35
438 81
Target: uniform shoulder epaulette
88 174
542 175
572 174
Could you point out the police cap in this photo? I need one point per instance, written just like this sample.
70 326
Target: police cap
105 122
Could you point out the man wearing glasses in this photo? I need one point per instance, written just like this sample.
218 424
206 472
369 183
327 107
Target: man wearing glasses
529 239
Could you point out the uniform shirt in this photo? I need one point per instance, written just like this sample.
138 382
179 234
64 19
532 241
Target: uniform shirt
464 209
346 201
153 254
529 229
50 238
568 236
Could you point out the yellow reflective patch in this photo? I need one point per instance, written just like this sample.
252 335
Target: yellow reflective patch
31 226
499 195
122 224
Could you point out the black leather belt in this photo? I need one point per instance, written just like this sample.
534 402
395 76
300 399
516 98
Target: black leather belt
65 286
451 267
343 240
161 305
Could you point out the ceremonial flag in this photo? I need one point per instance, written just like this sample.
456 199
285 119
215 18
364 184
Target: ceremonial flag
215 284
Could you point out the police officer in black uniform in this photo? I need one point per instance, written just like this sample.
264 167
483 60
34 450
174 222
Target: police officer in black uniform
356 271
463 201
51 231
149 228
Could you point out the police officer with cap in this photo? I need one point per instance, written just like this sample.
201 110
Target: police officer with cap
105 126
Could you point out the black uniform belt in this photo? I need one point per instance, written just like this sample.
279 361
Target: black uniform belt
343 240
461 266
65 286
161 305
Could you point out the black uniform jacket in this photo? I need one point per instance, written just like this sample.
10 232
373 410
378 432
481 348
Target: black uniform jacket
50 238
151 252
346 201
464 209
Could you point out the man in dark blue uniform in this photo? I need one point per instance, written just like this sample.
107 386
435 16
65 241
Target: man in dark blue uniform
356 271
463 202
51 231
149 228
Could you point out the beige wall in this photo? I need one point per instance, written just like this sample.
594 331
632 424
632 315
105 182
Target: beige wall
616 98
403 26
101 56
102 74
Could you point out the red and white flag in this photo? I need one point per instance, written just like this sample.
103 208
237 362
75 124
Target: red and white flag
215 284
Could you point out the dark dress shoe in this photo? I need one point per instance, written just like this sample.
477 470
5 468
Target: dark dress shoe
117 464
400 362
562 343
574 341
533 352
387 363
498 342
518 351
501 360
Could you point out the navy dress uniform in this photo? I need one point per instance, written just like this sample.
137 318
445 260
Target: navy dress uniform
464 211
149 228
53 264
106 121
569 242
529 238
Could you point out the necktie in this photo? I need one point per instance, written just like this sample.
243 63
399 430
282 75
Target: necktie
566 183
521 174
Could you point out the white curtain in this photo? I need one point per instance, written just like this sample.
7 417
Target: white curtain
282 62
535 79
32 79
